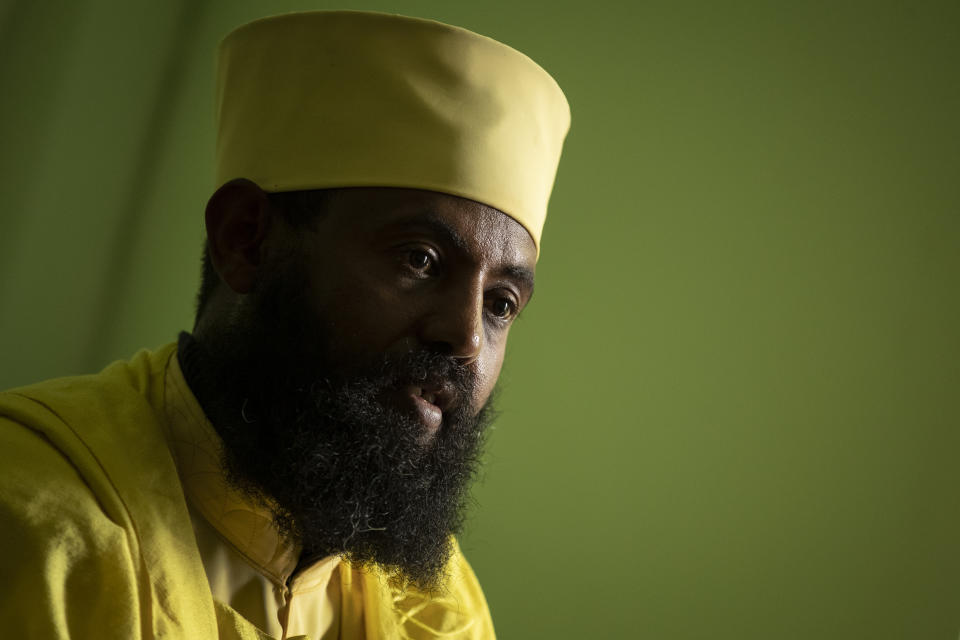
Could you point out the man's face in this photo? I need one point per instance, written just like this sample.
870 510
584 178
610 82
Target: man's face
353 380
394 271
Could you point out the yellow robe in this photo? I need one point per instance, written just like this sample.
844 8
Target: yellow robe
96 535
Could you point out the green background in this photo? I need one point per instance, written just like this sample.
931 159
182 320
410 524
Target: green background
732 410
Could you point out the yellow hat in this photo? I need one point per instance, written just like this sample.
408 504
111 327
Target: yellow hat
350 99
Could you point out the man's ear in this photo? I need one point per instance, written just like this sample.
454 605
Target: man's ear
238 217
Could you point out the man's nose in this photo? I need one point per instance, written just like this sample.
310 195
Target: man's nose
454 326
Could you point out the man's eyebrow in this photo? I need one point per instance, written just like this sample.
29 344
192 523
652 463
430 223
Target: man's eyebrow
439 227
522 275
431 221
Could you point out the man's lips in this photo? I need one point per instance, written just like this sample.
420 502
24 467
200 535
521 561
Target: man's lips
436 393
429 401
429 414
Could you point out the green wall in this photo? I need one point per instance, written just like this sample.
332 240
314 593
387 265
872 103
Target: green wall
733 410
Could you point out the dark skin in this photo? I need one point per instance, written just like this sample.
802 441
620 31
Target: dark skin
401 269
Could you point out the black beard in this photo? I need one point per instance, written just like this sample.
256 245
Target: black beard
347 473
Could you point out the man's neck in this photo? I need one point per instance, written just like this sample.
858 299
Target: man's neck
201 377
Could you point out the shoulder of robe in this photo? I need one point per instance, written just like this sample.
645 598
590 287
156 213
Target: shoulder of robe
67 566
104 426
93 422
86 474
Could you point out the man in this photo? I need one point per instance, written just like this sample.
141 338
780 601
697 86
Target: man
298 465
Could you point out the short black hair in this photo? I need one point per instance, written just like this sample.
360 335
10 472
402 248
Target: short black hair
299 209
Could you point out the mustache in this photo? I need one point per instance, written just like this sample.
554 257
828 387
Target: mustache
426 368
423 368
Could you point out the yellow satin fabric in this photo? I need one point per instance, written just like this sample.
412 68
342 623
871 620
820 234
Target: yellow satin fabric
97 535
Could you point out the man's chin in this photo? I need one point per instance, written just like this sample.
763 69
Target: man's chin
363 486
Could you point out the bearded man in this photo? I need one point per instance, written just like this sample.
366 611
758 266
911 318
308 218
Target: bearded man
299 464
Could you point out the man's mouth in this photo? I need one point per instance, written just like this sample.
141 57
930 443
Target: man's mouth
436 393
428 413
428 402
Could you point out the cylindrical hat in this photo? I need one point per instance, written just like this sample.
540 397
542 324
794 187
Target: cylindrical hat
352 99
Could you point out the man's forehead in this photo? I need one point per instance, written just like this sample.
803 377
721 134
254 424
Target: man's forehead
469 227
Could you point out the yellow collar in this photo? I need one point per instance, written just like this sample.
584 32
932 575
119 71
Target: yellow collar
239 520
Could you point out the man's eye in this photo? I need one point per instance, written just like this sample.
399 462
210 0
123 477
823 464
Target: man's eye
502 308
419 260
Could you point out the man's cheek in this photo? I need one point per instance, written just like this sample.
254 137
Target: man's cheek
487 375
